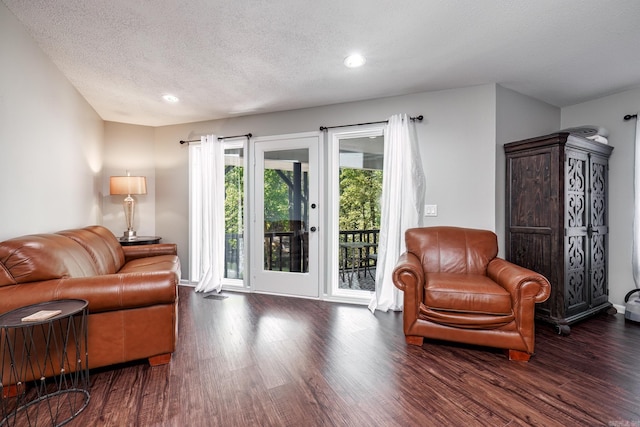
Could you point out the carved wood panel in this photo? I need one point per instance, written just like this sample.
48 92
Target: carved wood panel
598 196
599 287
576 192
530 182
576 286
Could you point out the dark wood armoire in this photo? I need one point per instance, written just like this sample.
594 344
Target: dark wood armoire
557 222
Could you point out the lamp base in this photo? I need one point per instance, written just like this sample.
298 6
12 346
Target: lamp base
130 235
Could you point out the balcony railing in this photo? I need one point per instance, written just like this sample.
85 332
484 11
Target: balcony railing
359 249
233 256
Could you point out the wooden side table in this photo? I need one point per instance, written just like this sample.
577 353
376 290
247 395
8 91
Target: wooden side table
51 354
140 240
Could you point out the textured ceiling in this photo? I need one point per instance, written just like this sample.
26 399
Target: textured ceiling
225 58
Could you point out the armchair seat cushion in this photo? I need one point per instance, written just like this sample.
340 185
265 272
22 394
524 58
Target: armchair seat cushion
466 293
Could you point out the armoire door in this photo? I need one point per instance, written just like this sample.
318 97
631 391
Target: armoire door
577 247
598 230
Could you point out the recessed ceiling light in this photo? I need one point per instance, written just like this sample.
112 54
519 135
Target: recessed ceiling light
170 98
355 60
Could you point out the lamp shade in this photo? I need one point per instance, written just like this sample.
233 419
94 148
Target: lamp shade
127 185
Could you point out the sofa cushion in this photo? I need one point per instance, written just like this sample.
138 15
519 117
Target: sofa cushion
40 257
101 245
154 263
466 293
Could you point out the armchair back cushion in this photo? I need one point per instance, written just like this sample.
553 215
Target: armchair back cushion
452 250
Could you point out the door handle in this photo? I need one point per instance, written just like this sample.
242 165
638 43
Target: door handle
313 229
591 230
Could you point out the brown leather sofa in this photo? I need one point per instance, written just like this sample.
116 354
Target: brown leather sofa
131 291
456 289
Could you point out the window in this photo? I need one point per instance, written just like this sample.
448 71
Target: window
233 190
234 212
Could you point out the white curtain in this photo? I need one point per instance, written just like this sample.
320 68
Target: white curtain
403 189
207 215
635 261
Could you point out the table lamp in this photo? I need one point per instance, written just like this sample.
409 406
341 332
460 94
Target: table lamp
120 185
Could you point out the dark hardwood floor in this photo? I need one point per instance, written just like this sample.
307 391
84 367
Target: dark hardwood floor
259 360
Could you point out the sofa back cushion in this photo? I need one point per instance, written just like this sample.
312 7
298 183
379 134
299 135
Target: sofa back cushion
40 257
452 249
101 245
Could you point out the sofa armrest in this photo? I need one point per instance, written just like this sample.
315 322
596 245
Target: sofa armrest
144 251
519 281
121 291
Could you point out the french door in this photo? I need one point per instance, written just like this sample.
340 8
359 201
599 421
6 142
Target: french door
285 242
355 167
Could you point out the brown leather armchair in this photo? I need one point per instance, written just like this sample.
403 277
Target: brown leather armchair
456 289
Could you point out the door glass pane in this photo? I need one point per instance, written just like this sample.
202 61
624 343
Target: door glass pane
286 211
360 188
234 213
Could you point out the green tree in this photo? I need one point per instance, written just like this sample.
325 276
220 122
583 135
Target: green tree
276 201
233 199
360 191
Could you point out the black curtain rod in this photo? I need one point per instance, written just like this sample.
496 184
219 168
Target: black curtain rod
220 138
631 116
413 119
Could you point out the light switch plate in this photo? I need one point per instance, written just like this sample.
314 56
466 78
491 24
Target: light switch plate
430 210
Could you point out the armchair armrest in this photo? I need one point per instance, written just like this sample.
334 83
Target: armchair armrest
144 251
519 281
408 276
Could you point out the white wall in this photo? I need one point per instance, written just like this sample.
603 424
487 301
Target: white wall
129 148
609 112
457 140
52 152
518 117
51 142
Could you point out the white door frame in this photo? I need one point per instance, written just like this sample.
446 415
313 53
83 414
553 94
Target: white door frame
333 208
286 283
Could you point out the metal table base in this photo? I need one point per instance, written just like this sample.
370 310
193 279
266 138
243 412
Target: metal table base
45 371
